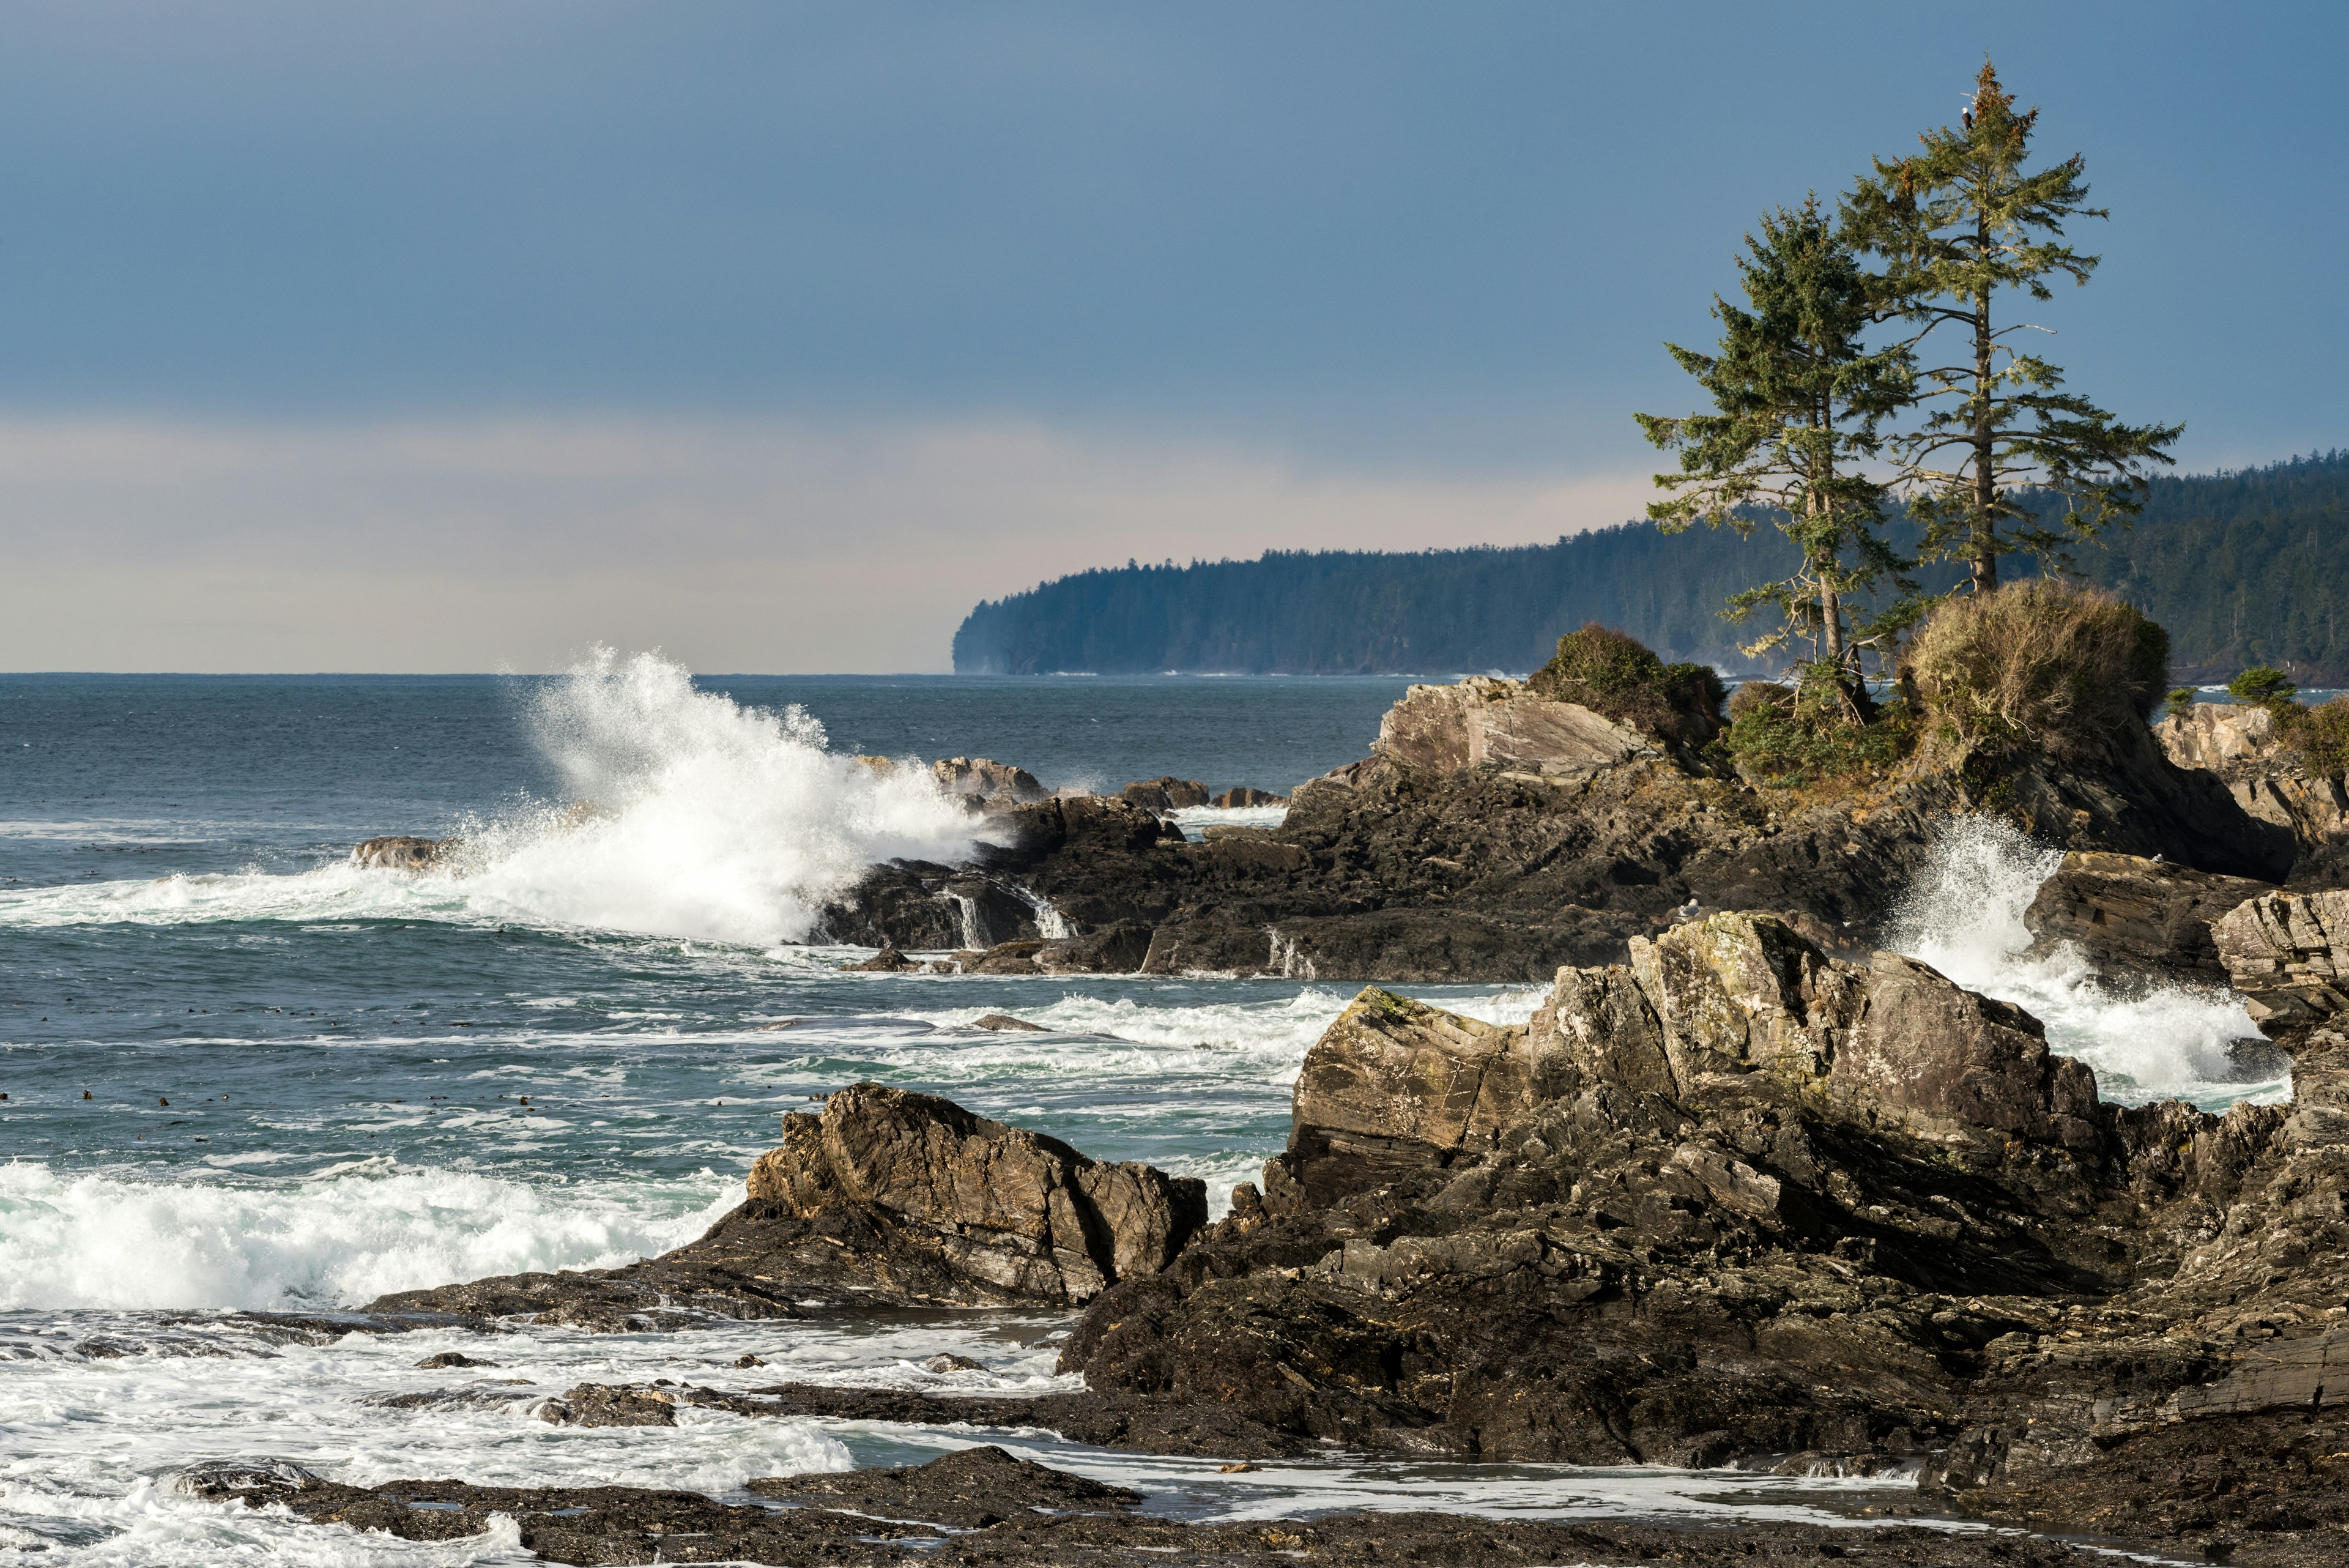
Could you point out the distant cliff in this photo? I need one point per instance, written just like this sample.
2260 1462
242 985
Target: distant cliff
2243 568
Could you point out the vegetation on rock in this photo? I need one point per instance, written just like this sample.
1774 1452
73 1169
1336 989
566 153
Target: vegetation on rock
1621 676
2042 664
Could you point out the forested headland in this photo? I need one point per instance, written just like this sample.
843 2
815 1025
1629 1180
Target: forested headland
2244 567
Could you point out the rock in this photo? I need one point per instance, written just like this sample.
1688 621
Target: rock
989 1507
1240 797
970 1488
1118 948
403 852
1497 835
889 960
2137 918
886 1199
2269 781
985 782
2288 953
451 1359
1165 795
1014 1215
944 1362
1483 721
1005 1021
1395 1084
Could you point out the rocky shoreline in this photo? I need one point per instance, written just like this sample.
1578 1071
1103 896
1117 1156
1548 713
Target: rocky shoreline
1746 1191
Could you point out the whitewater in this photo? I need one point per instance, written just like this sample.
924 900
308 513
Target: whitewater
245 1076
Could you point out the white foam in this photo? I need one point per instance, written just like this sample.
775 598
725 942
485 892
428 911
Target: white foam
1963 915
718 823
339 1239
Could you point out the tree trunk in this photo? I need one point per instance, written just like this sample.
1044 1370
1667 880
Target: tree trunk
1985 519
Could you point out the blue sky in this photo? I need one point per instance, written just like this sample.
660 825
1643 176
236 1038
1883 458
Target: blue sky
452 336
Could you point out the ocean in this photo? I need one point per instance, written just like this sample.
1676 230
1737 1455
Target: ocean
243 1076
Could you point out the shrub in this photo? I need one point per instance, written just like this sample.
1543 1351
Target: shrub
1619 676
1756 696
2262 686
2042 663
2321 736
2178 704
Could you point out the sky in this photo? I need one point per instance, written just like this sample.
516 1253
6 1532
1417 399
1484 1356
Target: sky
447 337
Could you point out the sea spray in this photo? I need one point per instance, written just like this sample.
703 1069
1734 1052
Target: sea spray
714 821
1963 915
90 1239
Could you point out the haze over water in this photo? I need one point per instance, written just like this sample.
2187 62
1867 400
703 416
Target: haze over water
308 1085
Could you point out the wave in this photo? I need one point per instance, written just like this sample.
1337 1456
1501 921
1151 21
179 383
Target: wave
1963 915
336 1238
713 822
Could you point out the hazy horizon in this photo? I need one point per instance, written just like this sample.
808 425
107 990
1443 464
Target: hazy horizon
777 336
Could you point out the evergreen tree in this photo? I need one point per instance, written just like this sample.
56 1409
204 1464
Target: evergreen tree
1956 225
1798 398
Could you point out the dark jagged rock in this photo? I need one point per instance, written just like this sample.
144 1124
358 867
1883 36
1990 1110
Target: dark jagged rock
970 1490
1743 1200
1165 795
2137 918
986 783
1241 797
1496 835
887 1197
899 1517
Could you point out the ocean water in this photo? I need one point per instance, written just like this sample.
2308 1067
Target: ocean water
243 1075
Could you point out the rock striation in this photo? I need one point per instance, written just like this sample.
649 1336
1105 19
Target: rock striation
2288 953
887 1197
2135 917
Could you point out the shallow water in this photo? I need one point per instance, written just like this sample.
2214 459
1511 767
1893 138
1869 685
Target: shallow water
241 1074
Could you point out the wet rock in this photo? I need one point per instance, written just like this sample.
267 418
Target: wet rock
969 1489
1241 797
858 1518
2288 953
2137 918
1119 948
889 960
1012 1214
946 1362
1003 1020
451 1359
605 1405
1165 794
983 781
400 852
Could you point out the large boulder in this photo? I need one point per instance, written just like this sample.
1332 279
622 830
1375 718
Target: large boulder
886 1199
1013 1211
2288 953
1395 1085
2135 917
1487 722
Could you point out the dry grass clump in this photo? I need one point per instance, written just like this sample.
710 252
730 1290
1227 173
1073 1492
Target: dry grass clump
1611 674
2042 663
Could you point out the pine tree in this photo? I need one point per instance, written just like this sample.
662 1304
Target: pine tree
1798 399
1958 225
